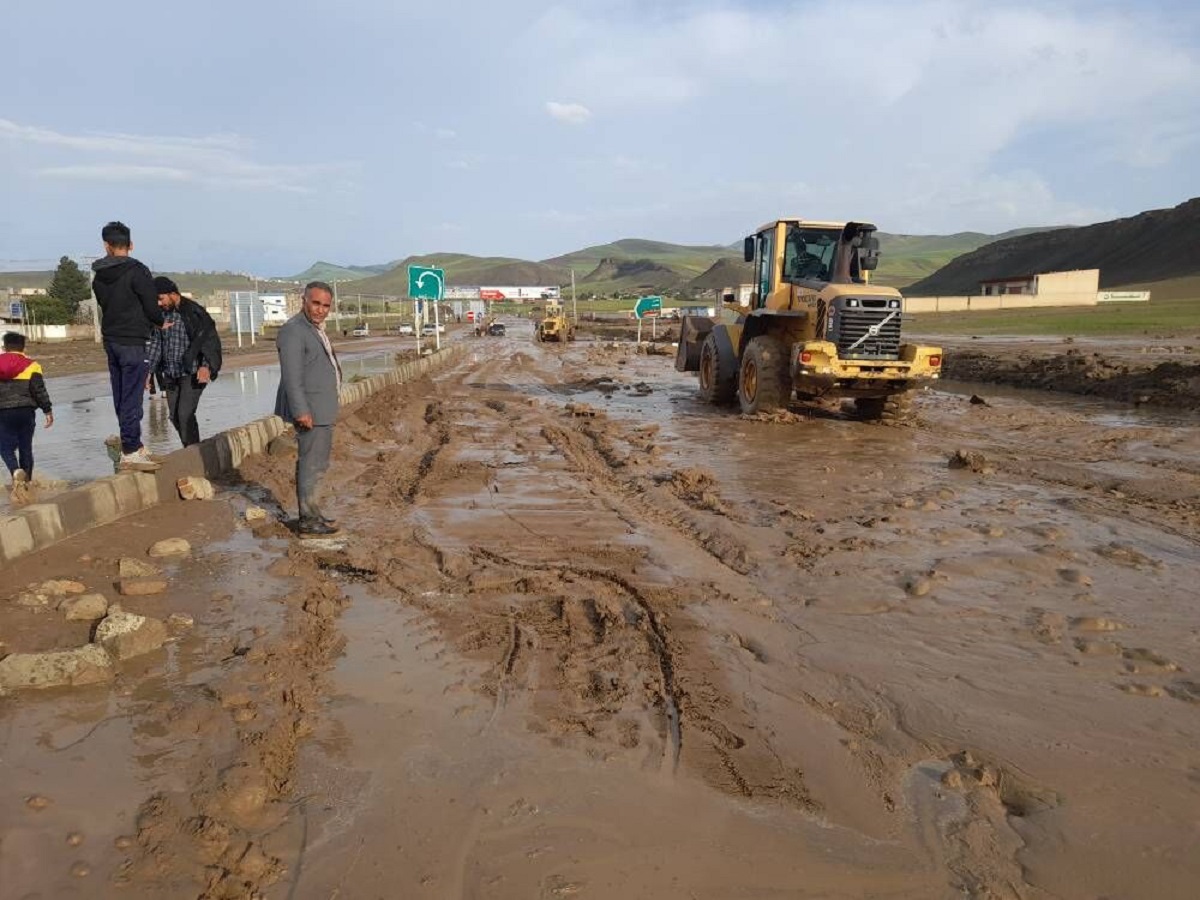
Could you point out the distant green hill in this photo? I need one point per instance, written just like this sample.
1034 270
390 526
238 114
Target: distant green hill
627 266
324 271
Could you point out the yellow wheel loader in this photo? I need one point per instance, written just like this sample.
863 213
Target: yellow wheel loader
811 326
555 326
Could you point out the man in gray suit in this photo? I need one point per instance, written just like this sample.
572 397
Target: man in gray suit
309 381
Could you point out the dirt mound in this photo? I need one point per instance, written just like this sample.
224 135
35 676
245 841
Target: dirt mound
1152 246
1172 384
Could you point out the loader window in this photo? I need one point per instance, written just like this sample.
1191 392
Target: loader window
808 253
766 259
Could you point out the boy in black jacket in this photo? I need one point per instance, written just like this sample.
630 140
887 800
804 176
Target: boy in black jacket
185 354
22 391
129 314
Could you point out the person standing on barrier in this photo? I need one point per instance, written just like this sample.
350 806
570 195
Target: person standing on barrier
310 379
185 355
129 314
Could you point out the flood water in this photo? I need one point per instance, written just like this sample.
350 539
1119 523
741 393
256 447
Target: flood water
73 449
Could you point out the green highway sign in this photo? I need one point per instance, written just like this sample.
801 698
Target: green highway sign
425 283
647 307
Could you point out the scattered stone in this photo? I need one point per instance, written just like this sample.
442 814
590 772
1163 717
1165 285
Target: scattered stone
170 547
195 488
88 607
1094 623
123 841
1143 690
61 588
256 514
136 568
74 839
282 445
37 802
581 410
976 400
952 779
1097 648
180 622
971 460
141 587
126 635
32 600
918 586
88 664
80 869
1074 576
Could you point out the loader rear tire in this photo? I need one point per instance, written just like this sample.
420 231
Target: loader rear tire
896 408
718 372
765 383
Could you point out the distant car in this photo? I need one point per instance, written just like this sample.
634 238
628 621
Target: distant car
428 330
496 329
361 331
403 329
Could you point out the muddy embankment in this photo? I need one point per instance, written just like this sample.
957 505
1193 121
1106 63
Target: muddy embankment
1149 380
584 636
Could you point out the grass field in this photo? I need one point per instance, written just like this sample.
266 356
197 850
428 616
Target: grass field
1158 318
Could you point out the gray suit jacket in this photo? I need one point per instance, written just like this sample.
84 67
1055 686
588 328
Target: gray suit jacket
307 379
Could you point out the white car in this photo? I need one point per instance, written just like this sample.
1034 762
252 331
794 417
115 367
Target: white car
405 329
361 331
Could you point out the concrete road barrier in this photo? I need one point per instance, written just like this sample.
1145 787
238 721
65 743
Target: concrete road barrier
39 525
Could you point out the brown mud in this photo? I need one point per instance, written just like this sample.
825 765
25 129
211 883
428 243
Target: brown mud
583 636
1166 374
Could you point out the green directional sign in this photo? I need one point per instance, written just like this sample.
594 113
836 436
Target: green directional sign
425 283
648 307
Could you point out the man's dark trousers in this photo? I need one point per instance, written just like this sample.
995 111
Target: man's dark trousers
16 439
315 445
127 371
183 396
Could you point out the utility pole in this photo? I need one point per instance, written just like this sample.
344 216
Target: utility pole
574 304
337 321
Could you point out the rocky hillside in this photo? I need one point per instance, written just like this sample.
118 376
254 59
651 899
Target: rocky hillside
1149 247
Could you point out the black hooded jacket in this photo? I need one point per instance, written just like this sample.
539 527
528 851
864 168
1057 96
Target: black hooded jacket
128 301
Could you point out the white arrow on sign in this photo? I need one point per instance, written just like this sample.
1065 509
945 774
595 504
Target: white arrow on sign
434 275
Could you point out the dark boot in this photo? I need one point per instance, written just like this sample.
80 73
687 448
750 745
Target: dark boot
315 528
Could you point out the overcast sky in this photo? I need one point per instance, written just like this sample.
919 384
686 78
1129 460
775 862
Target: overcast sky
262 135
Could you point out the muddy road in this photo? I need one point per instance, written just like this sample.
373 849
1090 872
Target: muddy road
583 636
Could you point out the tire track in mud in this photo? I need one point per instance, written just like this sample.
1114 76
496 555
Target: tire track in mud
228 834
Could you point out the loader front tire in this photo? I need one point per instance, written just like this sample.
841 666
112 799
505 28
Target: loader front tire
718 372
765 383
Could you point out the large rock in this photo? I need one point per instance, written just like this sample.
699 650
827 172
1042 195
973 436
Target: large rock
61 588
141 587
86 608
136 568
83 665
282 445
193 487
126 635
171 547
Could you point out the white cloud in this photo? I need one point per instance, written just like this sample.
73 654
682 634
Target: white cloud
570 113
886 106
220 161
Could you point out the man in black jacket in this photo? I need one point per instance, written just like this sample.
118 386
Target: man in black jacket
186 353
129 314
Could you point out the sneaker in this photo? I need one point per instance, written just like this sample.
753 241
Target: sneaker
138 461
315 528
20 486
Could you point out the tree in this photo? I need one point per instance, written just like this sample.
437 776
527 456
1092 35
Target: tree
70 286
43 310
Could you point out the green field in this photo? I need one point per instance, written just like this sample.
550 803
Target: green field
1158 318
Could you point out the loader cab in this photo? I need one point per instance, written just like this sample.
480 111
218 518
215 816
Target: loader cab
809 254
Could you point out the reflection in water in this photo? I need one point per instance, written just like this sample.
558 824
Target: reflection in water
74 449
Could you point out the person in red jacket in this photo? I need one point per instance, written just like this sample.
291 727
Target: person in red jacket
22 391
